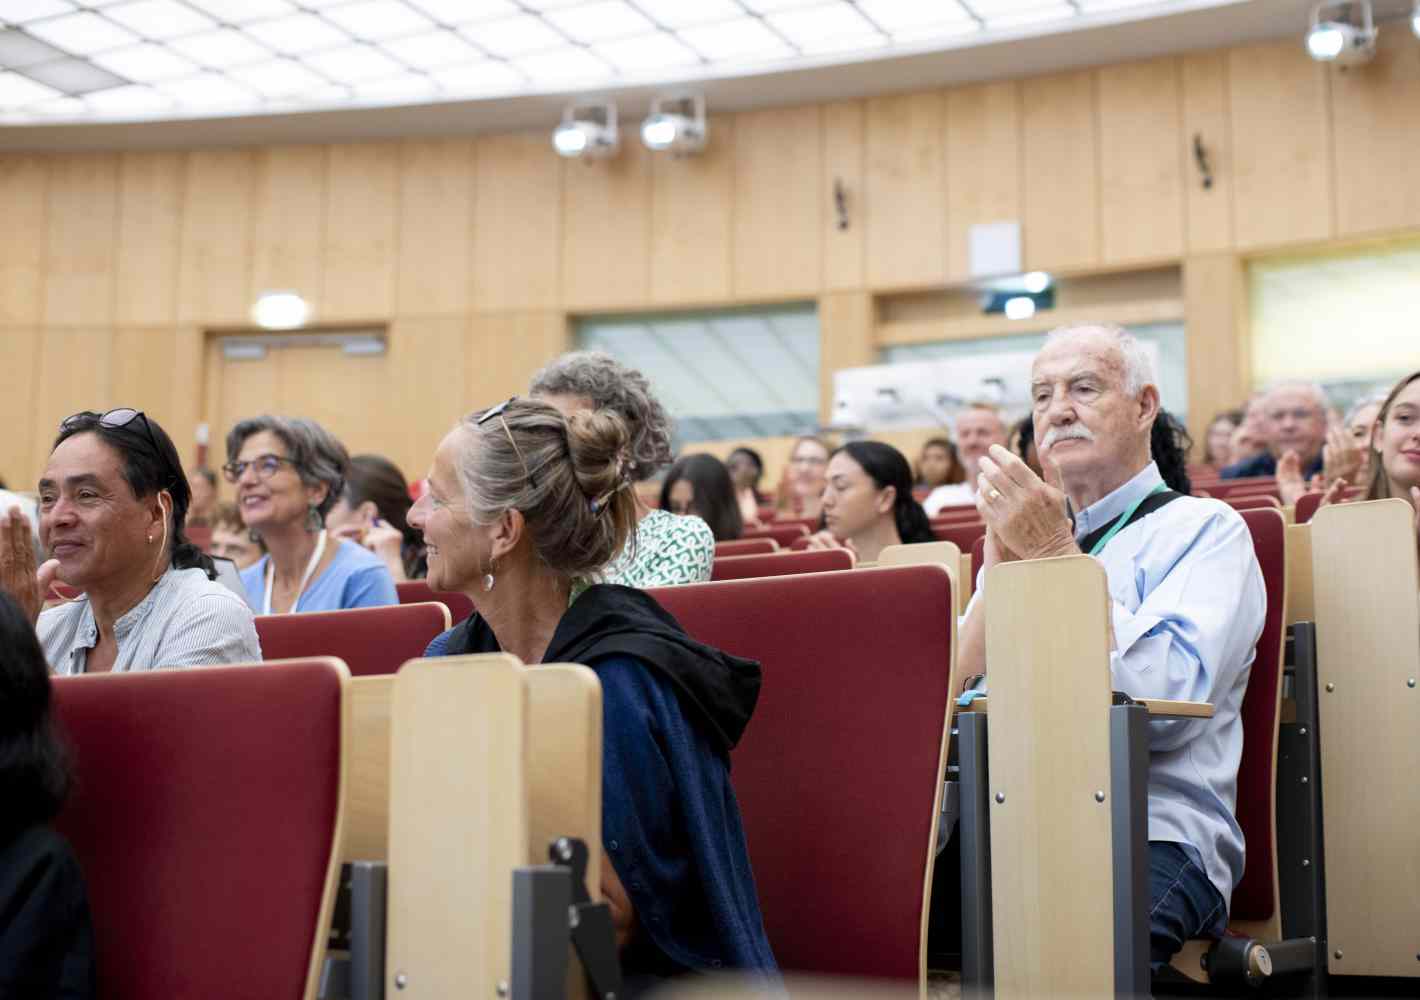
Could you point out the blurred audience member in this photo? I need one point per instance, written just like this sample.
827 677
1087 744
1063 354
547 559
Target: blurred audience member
868 503
46 938
1169 445
938 464
746 470
113 516
700 485
231 539
979 426
203 484
801 492
29 508
1349 446
1296 430
289 473
665 549
1217 446
373 511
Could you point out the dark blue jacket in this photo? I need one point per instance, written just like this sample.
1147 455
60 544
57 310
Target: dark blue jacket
672 710
1264 465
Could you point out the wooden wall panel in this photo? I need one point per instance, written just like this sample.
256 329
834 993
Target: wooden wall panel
1208 211
23 183
1216 337
843 142
516 223
66 384
692 200
983 165
606 230
436 228
149 228
905 201
18 381
361 232
1061 175
779 203
288 223
845 340
1140 160
506 349
214 265
1282 138
1376 122
425 353
82 229
160 370
235 390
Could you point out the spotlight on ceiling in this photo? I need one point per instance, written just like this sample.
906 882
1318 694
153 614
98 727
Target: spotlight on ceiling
1036 282
1334 38
676 123
280 311
1415 20
588 129
1020 307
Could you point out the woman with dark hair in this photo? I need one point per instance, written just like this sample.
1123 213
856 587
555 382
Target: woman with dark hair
373 511
939 464
113 508
700 485
746 469
289 472
867 501
46 940
1170 443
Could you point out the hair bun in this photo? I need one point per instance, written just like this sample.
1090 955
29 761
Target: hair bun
597 441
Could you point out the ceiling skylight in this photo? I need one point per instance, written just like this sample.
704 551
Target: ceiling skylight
123 60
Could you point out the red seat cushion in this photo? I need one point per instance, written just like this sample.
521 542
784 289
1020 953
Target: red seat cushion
203 816
369 640
780 564
837 772
1255 896
781 532
978 554
964 535
746 547
419 592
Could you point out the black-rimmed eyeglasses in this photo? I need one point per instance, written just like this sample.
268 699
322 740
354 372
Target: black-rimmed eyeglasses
265 466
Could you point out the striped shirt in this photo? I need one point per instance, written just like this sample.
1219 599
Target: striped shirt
186 620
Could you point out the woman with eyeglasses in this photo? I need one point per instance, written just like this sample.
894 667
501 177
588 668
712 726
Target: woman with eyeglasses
801 491
113 509
289 473
525 510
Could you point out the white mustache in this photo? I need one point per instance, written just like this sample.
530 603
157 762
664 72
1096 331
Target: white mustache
1069 433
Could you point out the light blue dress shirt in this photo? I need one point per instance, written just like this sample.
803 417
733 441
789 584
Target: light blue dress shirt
1188 608
355 578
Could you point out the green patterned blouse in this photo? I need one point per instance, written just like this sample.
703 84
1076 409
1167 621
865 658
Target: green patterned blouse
670 549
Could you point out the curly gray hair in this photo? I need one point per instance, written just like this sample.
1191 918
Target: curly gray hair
610 385
319 457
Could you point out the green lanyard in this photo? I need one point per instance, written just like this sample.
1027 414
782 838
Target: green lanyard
1124 519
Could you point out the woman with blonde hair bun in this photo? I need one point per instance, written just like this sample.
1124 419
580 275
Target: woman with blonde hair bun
524 511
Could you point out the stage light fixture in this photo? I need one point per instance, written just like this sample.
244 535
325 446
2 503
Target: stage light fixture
1020 307
1036 282
1333 37
676 123
588 129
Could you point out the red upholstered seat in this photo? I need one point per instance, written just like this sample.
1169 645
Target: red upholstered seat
1255 896
978 554
783 532
1253 501
837 772
964 535
419 592
746 547
780 564
800 544
1309 503
204 817
1225 488
957 513
369 640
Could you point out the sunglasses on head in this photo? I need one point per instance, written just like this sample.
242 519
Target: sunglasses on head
116 419
497 411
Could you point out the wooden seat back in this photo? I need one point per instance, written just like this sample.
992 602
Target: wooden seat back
943 554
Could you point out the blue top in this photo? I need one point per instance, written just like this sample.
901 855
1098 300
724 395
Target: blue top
1265 465
1188 608
355 578
671 827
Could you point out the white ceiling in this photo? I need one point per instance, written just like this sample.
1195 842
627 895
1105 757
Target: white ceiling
358 68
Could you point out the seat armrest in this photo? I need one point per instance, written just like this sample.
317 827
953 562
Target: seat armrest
1160 708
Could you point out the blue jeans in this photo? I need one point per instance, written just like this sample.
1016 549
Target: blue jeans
1183 904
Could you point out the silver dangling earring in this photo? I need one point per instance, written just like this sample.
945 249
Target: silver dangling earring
253 536
314 522
488 580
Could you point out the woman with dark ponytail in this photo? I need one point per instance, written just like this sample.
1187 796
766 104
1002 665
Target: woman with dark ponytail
113 508
867 502
1170 442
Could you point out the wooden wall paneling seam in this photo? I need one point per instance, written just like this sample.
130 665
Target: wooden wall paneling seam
147 254
1139 129
81 237
215 255
361 232
692 208
24 198
289 222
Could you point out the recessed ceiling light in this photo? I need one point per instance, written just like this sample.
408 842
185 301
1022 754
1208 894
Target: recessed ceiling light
378 19
353 64
208 91
18 50
160 19
456 12
513 36
563 66
17 92
220 49
280 311
439 48
598 21
679 14
244 11
735 41
278 78
1020 307
74 76
647 53
303 33
899 15
132 99
146 63
83 34
24 11
475 79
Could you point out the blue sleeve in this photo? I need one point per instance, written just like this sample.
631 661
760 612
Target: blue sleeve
438 645
254 584
369 587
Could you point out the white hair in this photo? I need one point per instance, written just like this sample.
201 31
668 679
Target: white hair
1311 388
1138 366
1376 399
